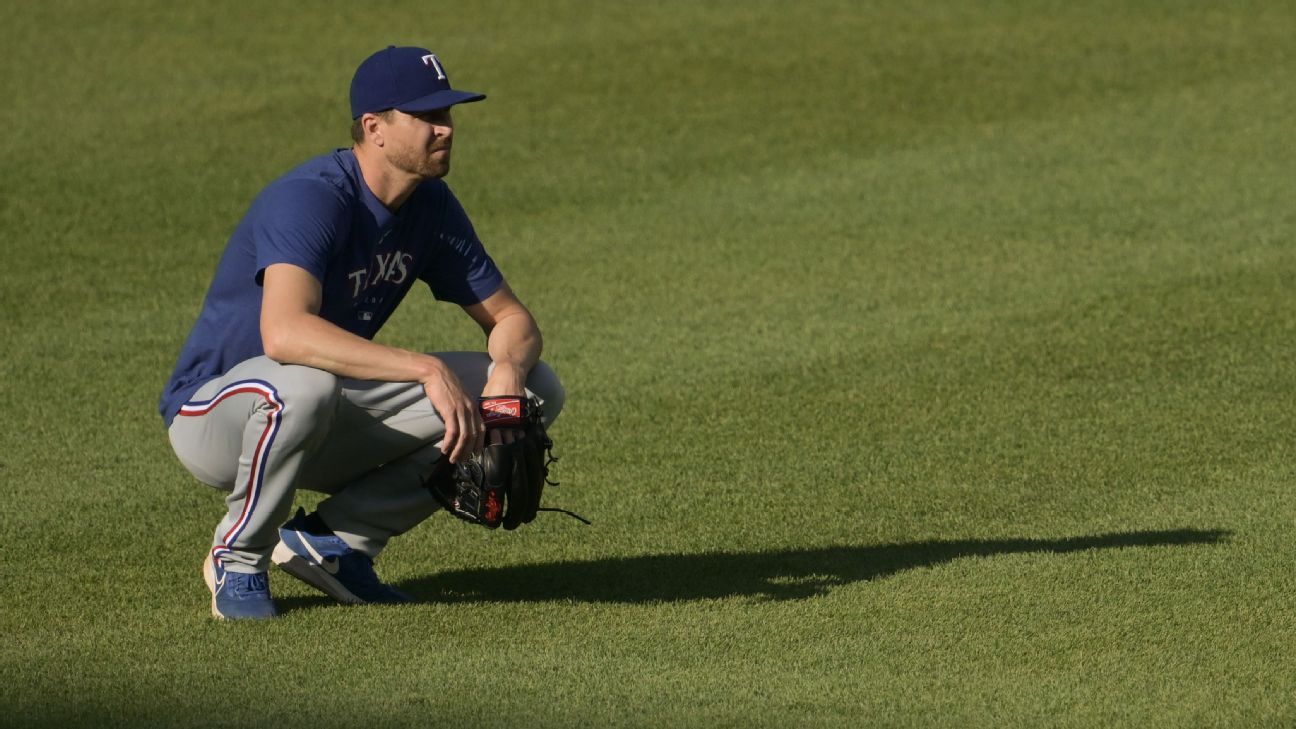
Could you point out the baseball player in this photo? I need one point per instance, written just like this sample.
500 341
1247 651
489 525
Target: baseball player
279 385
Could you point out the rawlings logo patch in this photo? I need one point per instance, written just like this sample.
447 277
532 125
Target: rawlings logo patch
501 409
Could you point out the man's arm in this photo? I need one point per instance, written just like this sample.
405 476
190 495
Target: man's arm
512 340
292 332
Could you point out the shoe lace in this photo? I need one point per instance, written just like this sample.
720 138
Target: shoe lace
255 584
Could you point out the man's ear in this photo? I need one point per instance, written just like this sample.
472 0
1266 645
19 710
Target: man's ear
373 128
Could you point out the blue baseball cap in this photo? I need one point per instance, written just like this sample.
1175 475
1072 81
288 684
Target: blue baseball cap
407 79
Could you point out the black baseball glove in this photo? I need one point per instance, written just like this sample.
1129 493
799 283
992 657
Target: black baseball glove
503 486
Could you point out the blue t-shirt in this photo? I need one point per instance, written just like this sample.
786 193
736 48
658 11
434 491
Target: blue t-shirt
322 217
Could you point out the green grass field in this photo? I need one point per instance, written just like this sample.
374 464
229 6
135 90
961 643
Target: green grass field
929 364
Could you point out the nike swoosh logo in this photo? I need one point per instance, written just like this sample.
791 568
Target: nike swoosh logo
330 564
221 582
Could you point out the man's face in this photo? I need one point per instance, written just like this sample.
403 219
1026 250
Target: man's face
420 143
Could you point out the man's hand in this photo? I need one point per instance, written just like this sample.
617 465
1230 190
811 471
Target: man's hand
464 433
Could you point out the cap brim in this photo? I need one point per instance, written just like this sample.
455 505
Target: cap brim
439 100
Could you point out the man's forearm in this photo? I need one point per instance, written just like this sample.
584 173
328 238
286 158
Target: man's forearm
514 346
310 340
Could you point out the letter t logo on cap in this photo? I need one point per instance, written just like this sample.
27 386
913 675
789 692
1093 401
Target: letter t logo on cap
431 60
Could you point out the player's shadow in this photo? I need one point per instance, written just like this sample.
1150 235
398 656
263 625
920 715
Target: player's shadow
791 574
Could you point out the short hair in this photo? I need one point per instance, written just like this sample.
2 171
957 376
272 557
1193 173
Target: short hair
357 129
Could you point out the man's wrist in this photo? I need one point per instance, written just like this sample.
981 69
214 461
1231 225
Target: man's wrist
506 378
427 366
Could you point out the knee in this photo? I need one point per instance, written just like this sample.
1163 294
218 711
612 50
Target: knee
544 384
308 392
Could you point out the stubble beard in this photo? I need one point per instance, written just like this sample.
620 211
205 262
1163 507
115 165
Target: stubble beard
420 163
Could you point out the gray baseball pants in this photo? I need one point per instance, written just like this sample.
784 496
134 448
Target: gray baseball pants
263 430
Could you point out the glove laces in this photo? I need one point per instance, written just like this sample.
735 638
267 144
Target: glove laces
572 514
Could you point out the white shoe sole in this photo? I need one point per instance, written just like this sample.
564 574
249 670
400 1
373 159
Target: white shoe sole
312 574
209 577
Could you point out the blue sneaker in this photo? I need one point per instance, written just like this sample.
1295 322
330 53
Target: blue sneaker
326 563
237 595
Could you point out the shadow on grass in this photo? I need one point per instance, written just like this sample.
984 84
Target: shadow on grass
792 574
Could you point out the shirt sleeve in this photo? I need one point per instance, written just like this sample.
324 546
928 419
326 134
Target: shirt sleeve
460 270
298 222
